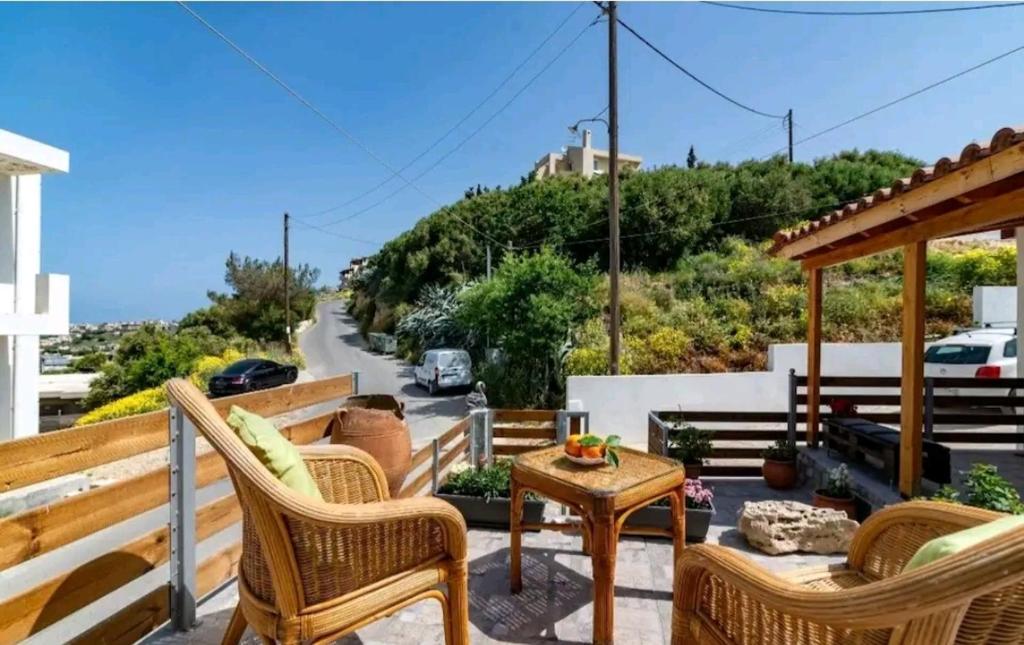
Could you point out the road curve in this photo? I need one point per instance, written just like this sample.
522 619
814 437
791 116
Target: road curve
333 346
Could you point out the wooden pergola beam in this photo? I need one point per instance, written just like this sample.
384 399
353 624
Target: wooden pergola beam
989 213
814 298
912 378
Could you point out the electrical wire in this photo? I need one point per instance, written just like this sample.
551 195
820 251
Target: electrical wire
339 235
902 98
895 12
320 113
472 134
695 78
461 121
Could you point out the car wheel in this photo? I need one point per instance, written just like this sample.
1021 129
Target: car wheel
432 388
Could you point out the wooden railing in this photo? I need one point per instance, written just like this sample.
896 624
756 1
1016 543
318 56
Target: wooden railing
40 531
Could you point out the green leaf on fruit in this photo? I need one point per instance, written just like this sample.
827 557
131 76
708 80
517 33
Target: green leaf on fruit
612 456
613 440
591 440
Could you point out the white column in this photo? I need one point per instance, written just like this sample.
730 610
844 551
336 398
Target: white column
26 268
7 208
1019 234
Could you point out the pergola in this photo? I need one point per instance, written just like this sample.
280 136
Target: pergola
981 190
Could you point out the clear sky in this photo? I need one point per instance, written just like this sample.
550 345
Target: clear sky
181 151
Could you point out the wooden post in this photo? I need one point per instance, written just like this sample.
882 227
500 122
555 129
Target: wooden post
912 378
813 354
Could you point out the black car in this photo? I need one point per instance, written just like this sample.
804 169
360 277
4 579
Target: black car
251 374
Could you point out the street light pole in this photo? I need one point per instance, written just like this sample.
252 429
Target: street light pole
287 293
613 188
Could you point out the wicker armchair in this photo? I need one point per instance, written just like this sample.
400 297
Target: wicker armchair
976 596
314 571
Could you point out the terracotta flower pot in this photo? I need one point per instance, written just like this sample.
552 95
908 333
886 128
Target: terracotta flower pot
375 423
780 475
693 470
846 504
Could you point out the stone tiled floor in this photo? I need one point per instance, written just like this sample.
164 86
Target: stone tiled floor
555 604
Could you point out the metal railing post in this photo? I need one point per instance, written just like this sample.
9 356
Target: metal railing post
791 419
435 466
561 426
355 382
929 407
182 508
489 438
478 437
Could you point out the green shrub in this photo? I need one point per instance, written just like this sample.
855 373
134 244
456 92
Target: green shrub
487 482
985 488
689 444
138 403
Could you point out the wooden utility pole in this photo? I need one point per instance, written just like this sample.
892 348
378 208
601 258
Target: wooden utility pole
789 122
287 293
613 188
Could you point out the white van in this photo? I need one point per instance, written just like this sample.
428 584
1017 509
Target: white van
444 368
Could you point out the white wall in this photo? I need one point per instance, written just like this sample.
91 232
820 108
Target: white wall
995 305
619 404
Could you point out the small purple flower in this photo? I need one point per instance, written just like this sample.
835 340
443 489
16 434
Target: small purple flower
697 496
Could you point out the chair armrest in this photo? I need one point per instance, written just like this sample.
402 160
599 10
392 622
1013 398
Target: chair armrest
345 474
708 574
890 537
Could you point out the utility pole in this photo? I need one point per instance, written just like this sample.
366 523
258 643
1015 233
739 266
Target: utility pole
613 187
287 293
488 261
789 122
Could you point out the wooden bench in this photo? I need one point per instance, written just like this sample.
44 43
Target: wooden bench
865 441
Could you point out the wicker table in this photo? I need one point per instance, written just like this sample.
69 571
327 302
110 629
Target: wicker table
603 496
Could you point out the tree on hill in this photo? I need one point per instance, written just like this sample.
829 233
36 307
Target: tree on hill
691 158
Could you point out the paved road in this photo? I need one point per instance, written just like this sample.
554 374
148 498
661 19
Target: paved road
333 346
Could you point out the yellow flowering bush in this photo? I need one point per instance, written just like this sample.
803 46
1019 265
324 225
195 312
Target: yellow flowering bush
207 366
145 401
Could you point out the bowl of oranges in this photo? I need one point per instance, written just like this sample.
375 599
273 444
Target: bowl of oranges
592 450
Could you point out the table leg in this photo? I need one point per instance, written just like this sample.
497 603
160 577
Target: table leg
603 546
516 533
678 501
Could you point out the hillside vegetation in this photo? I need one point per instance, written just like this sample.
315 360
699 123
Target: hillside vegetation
699 293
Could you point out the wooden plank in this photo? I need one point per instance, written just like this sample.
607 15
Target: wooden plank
984 213
956 402
149 612
724 416
450 456
814 295
750 435
524 415
980 383
41 530
308 430
421 456
976 437
1001 165
859 381
35 459
912 390
418 484
288 398
894 382
44 605
457 430
714 470
523 432
517 449
722 452
978 419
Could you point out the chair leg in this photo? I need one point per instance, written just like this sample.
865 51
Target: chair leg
236 627
458 605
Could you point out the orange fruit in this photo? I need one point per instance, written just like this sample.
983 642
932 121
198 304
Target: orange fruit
593 452
573 447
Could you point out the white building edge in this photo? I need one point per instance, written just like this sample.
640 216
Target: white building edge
31 304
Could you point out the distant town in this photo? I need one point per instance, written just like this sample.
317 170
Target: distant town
59 352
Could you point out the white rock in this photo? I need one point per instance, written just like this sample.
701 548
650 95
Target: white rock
776 527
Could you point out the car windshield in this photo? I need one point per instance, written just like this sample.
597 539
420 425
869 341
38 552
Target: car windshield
453 359
241 367
957 354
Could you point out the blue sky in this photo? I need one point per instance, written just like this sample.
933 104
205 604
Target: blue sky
182 152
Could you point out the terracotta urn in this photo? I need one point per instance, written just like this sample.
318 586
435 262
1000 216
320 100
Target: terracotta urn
846 504
376 423
780 475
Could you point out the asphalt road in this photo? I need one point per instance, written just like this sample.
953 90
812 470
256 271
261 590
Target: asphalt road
333 346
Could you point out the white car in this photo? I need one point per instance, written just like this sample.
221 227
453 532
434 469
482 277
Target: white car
444 368
988 352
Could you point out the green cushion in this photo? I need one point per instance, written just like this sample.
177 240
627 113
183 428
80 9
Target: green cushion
955 542
275 452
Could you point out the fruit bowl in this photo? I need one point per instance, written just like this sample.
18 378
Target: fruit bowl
586 461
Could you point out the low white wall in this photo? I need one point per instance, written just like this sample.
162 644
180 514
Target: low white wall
619 404
995 305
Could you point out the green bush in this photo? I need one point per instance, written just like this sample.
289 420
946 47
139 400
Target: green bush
985 488
488 482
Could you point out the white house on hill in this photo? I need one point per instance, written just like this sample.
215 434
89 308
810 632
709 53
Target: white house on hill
31 304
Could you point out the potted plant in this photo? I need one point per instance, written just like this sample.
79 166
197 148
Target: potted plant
779 467
699 510
482 495
837 492
690 446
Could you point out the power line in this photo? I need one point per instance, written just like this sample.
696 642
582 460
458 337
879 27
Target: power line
694 77
461 121
472 134
897 12
905 97
339 235
319 113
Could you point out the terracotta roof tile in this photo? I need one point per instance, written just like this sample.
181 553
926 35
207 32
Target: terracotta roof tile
971 153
